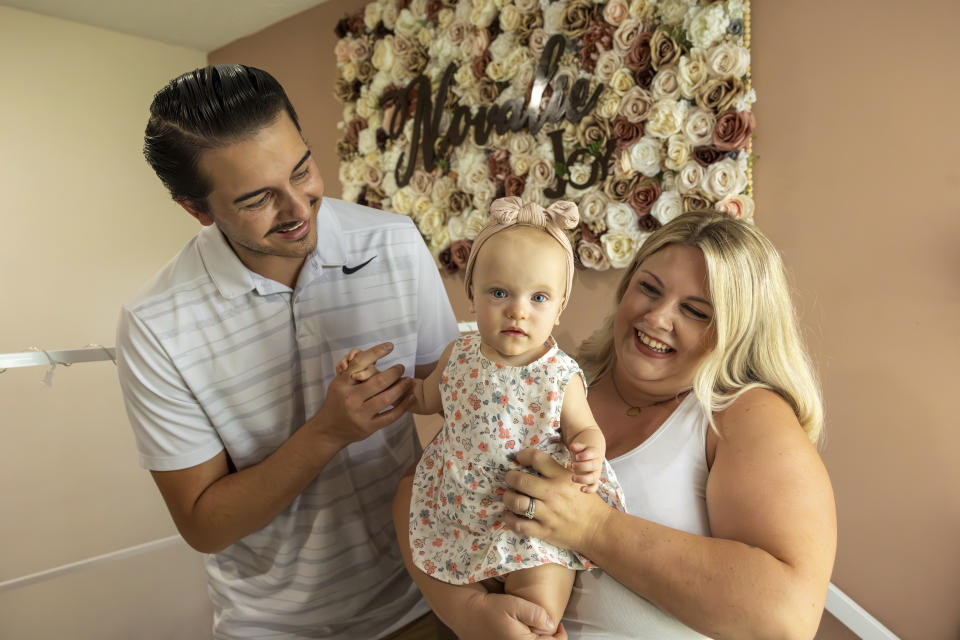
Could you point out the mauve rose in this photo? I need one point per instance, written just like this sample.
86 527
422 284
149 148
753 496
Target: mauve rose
733 130
597 39
354 127
695 202
664 50
719 94
498 163
636 104
592 130
433 8
445 258
345 150
644 195
586 233
460 252
458 202
577 16
625 35
638 59
626 132
591 256
479 64
619 188
648 223
707 155
513 185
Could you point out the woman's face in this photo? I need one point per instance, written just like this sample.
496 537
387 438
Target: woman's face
662 328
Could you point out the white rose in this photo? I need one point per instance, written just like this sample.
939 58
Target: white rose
689 177
442 188
497 70
541 172
744 101
444 18
674 11
707 25
667 207
527 6
645 156
619 247
367 141
421 206
403 200
641 9
620 217
533 193
350 192
483 194
591 256
553 18
441 237
518 58
407 24
349 71
457 228
728 59
666 117
698 127
723 178
666 84
510 18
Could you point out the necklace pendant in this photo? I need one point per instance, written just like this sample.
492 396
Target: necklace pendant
634 411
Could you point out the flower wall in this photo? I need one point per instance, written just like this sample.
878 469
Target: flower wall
637 111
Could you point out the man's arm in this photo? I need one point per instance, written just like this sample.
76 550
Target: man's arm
214 508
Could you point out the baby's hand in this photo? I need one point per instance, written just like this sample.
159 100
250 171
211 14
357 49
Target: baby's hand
357 376
587 463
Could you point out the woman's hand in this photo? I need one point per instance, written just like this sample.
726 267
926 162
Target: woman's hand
563 514
497 615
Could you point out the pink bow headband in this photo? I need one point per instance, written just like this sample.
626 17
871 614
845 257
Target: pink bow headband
513 211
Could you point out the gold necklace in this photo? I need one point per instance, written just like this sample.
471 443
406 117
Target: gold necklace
634 410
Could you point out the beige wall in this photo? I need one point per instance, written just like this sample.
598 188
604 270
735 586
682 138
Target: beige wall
859 185
84 223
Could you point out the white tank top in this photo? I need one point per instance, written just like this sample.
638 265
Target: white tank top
664 480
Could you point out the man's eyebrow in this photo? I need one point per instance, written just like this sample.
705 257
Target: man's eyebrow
247 196
662 286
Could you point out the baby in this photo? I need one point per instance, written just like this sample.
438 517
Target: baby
502 389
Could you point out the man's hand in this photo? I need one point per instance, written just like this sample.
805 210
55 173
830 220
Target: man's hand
355 409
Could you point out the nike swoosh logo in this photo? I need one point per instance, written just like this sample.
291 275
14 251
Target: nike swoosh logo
348 270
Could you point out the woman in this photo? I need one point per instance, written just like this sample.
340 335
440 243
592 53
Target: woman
710 409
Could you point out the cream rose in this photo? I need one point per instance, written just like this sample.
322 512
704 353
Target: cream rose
625 35
403 200
667 207
553 18
421 205
442 188
476 220
674 11
619 247
541 172
678 152
457 228
722 179
635 104
389 16
689 177
666 118
607 64
615 12
666 84
691 72
483 13
510 18
372 14
407 24
527 6
698 126
342 50
538 42
622 81
645 156
533 193
593 206
483 194
520 164
728 59
383 55
367 141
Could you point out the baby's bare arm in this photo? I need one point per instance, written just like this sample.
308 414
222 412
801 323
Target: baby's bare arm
582 436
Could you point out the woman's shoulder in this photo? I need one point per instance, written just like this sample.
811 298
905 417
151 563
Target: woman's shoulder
758 412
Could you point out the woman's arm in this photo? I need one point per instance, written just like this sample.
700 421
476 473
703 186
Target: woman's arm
469 609
765 571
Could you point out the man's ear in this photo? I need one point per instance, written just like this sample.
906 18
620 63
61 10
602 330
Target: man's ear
196 209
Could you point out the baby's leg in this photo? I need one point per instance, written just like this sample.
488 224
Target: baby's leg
548 585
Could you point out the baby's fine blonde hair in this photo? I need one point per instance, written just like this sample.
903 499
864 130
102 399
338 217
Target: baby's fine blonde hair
758 343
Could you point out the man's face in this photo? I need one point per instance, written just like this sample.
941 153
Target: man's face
266 190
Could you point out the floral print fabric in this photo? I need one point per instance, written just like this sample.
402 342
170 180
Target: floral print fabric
491 411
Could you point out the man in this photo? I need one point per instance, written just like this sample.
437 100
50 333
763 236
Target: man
268 461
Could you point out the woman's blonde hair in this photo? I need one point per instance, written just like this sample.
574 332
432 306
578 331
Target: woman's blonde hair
758 342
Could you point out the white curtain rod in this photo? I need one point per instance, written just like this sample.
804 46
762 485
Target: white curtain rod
41 358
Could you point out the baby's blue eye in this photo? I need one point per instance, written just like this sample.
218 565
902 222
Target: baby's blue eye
539 297
498 293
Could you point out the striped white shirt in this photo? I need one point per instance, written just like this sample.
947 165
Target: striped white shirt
213 356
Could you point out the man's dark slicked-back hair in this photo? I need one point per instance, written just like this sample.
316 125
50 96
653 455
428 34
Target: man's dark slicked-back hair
207 108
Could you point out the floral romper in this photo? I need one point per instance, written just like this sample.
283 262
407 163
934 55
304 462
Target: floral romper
491 411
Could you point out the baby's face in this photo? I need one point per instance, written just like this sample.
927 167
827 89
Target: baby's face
518 287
